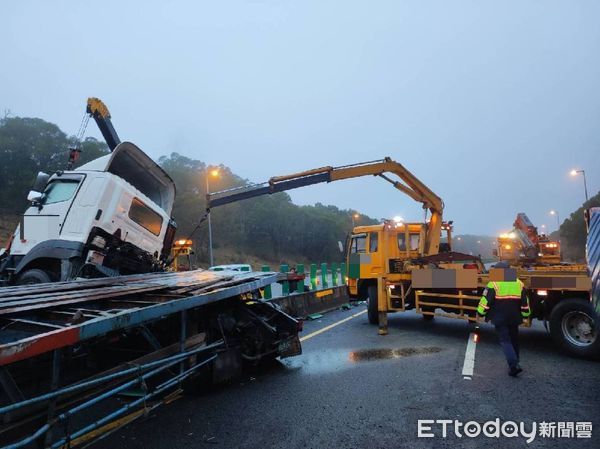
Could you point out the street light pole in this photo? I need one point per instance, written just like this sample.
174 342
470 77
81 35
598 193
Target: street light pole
210 249
585 186
574 173
555 212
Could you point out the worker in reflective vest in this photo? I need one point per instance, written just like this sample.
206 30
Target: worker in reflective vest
506 304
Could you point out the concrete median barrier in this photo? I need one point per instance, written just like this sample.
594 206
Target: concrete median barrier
300 305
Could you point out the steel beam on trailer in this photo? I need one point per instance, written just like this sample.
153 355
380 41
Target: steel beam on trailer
39 344
55 379
182 337
150 337
142 364
9 386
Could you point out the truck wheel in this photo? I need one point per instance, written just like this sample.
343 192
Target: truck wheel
573 328
33 276
372 312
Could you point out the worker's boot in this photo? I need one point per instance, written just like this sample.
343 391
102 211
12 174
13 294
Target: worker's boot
515 370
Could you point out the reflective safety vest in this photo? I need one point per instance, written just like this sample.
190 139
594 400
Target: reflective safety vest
504 291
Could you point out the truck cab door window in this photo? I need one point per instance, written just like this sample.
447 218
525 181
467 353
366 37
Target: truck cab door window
414 242
358 244
373 242
402 241
58 191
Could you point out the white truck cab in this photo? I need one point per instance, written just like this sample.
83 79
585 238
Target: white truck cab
110 216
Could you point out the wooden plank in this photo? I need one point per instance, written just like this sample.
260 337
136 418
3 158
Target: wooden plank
44 305
166 279
80 296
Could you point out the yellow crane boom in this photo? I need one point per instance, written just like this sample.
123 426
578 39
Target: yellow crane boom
407 183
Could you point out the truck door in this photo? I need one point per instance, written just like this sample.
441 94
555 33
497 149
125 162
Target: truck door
45 221
374 250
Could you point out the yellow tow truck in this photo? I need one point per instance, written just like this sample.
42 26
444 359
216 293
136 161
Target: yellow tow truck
399 266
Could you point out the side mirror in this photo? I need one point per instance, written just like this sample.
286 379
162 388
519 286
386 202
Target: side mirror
34 196
40 182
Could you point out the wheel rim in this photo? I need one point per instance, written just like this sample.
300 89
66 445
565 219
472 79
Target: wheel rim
578 328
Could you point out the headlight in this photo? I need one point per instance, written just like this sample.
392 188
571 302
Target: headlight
99 242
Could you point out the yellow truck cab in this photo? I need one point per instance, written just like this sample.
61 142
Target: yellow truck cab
385 248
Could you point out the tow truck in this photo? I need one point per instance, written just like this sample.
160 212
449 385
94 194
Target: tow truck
397 266
524 246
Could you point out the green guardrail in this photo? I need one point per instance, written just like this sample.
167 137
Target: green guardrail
300 284
268 294
285 285
323 275
317 276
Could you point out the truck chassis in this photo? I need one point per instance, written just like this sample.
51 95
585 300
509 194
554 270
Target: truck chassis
559 296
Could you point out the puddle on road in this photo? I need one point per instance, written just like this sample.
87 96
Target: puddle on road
384 353
323 361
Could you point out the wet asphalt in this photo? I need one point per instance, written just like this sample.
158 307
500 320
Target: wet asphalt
352 388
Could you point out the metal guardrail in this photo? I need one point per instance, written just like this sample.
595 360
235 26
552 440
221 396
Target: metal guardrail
142 373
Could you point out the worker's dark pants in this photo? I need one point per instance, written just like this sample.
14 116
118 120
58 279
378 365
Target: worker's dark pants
509 340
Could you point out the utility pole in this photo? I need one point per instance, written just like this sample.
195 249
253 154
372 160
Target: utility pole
575 173
208 173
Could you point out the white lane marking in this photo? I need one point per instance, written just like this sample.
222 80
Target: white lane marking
331 326
469 364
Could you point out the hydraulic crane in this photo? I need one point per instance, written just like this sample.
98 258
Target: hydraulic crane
97 109
408 184
524 245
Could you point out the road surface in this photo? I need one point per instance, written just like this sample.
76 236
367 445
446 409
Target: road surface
352 388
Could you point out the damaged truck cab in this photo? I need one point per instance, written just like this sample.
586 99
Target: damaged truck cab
110 216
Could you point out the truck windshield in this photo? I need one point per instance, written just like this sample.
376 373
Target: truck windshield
358 243
59 190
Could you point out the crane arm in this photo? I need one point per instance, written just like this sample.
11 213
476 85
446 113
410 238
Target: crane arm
98 110
411 185
408 184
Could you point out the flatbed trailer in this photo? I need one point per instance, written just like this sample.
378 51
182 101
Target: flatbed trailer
559 296
80 359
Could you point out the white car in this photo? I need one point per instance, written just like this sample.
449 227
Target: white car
232 267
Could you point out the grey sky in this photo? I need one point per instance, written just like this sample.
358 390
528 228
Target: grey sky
490 103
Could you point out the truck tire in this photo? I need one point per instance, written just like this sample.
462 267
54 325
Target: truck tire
372 312
33 276
573 328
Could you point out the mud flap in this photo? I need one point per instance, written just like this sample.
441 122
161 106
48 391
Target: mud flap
290 347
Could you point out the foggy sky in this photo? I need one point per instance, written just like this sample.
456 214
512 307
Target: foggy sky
489 103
